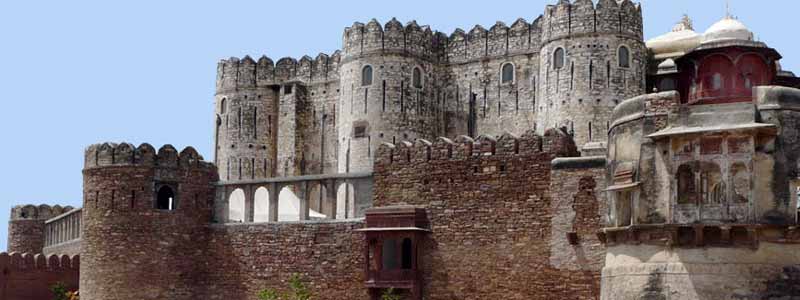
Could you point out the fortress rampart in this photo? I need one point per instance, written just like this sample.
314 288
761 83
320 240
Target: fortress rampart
27 276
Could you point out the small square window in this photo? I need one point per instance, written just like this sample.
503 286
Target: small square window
287 89
360 132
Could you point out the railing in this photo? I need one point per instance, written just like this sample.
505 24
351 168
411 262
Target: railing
63 228
357 196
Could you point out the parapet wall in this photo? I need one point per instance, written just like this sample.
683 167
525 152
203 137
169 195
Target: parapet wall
29 277
582 17
234 73
492 208
26 227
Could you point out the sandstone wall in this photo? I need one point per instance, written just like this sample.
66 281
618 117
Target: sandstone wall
243 259
492 210
30 277
133 249
26 227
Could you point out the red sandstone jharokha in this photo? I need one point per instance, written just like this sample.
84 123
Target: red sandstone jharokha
586 164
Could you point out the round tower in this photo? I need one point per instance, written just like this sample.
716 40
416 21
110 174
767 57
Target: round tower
143 217
387 89
26 227
592 58
246 115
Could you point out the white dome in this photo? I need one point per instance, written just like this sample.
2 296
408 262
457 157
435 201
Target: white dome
682 38
728 29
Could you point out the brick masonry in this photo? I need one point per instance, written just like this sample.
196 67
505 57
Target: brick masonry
493 208
30 277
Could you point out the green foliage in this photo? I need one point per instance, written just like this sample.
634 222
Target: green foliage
390 294
297 291
268 294
59 291
298 288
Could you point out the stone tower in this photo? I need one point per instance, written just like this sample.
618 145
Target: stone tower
143 217
388 89
592 58
246 119
27 224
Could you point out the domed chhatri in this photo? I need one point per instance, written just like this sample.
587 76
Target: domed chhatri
676 42
728 28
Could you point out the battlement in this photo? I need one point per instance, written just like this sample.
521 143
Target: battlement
582 17
521 37
555 142
412 39
124 154
26 261
42 212
235 73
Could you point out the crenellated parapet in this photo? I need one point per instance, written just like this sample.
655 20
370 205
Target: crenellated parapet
555 142
124 154
582 17
392 38
40 212
246 73
31 276
16 261
499 40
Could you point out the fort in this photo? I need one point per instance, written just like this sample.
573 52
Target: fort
563 158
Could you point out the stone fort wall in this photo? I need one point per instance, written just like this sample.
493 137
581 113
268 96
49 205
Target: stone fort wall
26 227
30 276
316 115
493 207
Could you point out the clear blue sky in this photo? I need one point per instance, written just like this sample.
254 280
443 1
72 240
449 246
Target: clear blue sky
73 73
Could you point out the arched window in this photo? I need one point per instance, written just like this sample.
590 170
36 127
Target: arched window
558 59
165 199
223 106
366 76
417 78
624 57
507 74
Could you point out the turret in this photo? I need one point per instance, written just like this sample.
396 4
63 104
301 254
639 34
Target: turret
143 217
387 89
26 227
592 58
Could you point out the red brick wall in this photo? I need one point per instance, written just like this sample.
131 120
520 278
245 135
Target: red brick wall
246 258
29 277
489 204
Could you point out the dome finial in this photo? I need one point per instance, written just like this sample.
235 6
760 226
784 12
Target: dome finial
684 24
